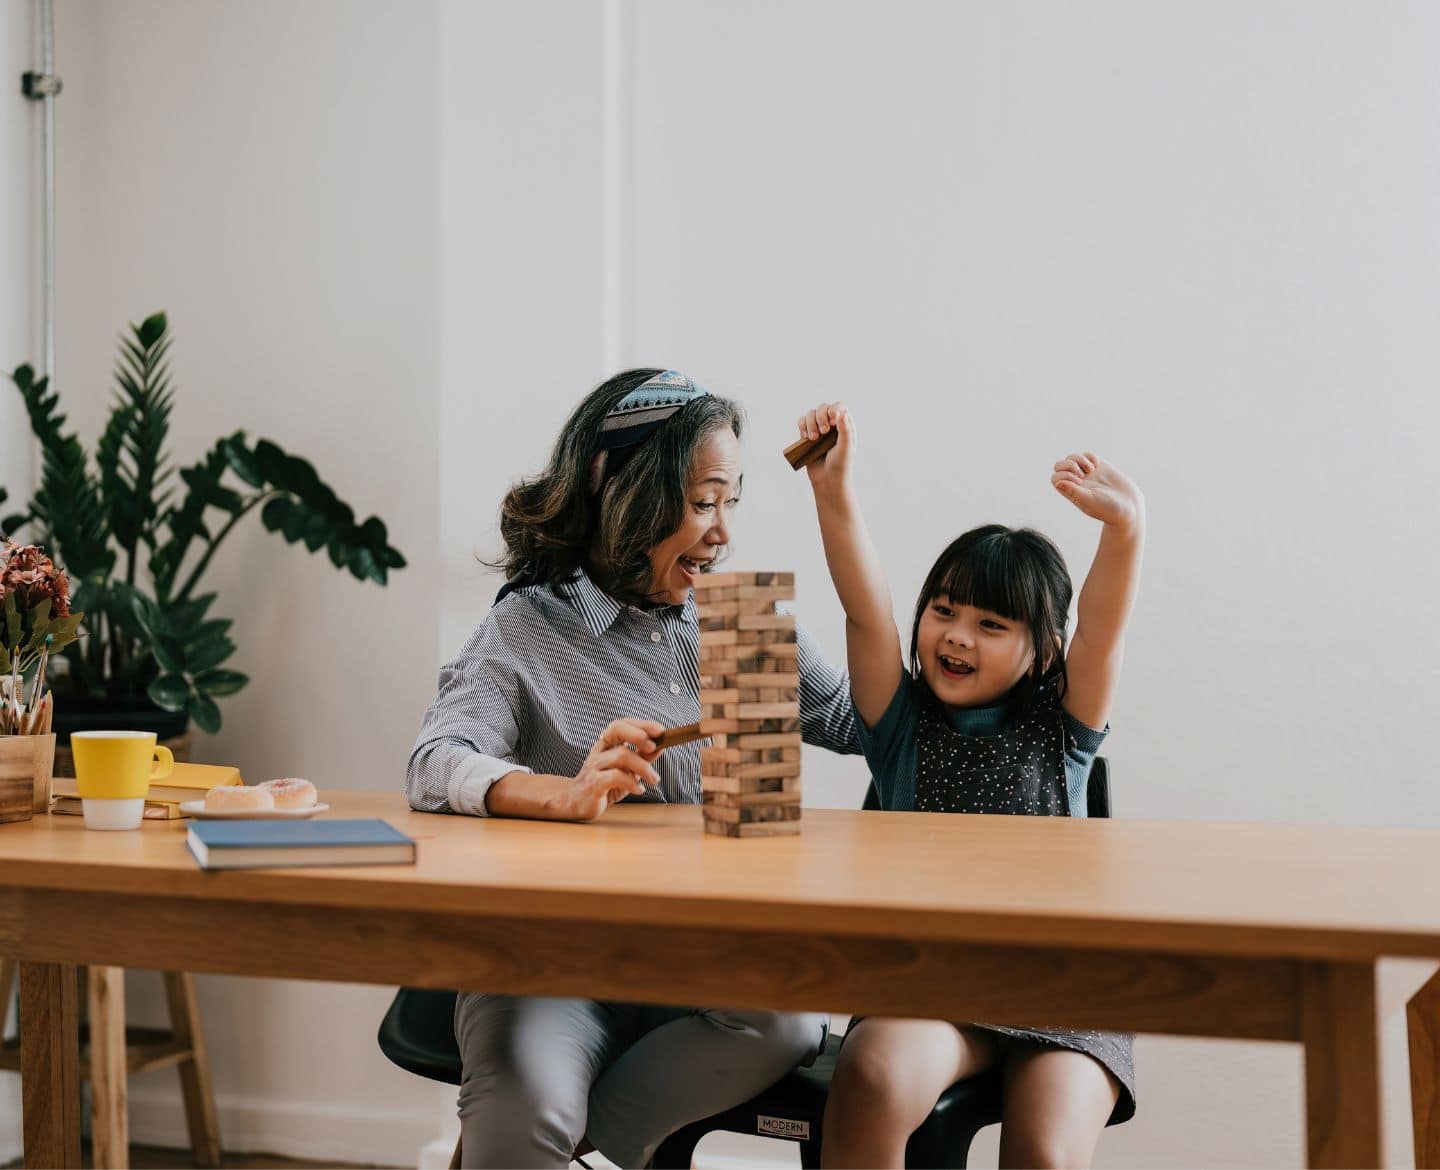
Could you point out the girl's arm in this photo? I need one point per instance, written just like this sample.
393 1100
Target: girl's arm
1093 663
872 642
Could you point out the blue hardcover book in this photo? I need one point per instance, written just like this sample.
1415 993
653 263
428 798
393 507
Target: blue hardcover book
242 844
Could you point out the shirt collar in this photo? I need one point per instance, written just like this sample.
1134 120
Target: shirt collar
600 611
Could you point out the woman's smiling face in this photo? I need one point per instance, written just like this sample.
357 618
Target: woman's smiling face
711 491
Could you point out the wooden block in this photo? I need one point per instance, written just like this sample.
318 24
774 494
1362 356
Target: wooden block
751 799
763 829
743 784
754 813
764 678
760 641
773 694
675 736
759 711
765 621
728 578
718 643
746 741
709 608
750 770
715 698
710 623
804 451
766 592
776 651
711 727
730 754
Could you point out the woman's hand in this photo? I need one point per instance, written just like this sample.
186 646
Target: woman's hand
831 470
1099 490
617 766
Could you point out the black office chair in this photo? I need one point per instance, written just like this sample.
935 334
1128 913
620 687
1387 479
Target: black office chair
418 1034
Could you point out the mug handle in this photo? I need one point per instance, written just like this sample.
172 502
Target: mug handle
164 765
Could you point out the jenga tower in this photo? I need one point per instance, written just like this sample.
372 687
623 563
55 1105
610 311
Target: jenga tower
749 705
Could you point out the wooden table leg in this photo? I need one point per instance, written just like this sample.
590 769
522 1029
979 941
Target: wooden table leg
1422 1016
50 1064
109 1099
1341 1034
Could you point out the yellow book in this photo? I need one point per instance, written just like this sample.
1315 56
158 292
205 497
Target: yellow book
155 810
186 782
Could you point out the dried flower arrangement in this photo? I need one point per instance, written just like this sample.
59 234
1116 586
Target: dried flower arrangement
35 619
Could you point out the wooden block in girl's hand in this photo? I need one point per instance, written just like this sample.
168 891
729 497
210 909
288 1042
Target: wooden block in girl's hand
741 785
804 451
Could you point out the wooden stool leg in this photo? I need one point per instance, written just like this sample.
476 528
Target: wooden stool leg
1422 1015
194 1070
109 1102
9 972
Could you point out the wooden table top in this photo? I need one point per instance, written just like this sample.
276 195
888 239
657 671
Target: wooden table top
1308 891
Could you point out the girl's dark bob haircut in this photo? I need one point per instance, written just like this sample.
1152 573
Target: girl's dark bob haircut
1017 573
557 523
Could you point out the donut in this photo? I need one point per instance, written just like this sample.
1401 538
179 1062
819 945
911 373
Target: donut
291 792
238 798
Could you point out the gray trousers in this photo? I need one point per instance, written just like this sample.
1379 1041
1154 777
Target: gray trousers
541 1074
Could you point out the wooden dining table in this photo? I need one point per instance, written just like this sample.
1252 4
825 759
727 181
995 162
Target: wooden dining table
1258 932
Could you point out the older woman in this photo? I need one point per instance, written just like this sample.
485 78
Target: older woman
591 648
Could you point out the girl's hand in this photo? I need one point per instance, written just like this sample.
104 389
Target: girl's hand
1099 490
617 766
832 469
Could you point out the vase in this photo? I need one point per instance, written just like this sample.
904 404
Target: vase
26 770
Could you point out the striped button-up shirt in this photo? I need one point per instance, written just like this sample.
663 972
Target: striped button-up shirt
549 668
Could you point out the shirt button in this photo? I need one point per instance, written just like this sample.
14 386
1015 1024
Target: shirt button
674 688
655 637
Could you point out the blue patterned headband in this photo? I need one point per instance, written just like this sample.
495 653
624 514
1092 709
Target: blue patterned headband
636 416
646 407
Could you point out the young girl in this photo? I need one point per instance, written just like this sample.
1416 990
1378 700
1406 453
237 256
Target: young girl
993 716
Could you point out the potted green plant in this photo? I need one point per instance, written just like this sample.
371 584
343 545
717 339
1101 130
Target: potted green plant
152 651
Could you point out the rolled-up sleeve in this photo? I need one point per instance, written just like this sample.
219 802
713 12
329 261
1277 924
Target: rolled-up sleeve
827 717
470 733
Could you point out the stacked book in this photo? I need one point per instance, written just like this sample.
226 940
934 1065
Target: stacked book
164 797
749 705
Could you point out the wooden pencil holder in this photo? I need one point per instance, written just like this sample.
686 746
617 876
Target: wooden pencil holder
26 767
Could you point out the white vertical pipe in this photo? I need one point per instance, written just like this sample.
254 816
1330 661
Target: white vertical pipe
612 217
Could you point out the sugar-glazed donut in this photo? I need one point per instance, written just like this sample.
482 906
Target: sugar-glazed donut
238 798
291 792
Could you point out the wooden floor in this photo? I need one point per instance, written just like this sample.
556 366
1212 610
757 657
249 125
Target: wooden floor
159 1158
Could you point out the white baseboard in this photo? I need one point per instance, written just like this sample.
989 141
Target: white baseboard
318 1130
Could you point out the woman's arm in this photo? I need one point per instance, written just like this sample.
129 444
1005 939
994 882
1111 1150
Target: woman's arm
464 759
1093 663
871 640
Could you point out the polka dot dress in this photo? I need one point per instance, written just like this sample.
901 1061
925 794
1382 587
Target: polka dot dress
1020 771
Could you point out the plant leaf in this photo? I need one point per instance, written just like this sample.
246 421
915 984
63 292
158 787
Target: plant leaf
274 513
169 654
203 710
209 654
221 682
169 692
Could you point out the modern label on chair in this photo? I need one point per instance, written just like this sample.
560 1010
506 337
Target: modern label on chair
782 1127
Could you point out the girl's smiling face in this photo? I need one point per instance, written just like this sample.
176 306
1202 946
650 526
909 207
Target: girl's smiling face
971 657
711 491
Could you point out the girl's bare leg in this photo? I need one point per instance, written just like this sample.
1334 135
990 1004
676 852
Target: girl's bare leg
890 1074
1056 1104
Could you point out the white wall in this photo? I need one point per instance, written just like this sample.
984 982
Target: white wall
405 239
19 323
266 173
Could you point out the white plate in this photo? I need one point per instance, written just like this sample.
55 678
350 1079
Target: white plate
197 809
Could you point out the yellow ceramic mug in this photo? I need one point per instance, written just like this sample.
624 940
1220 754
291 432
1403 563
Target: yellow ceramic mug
118 765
